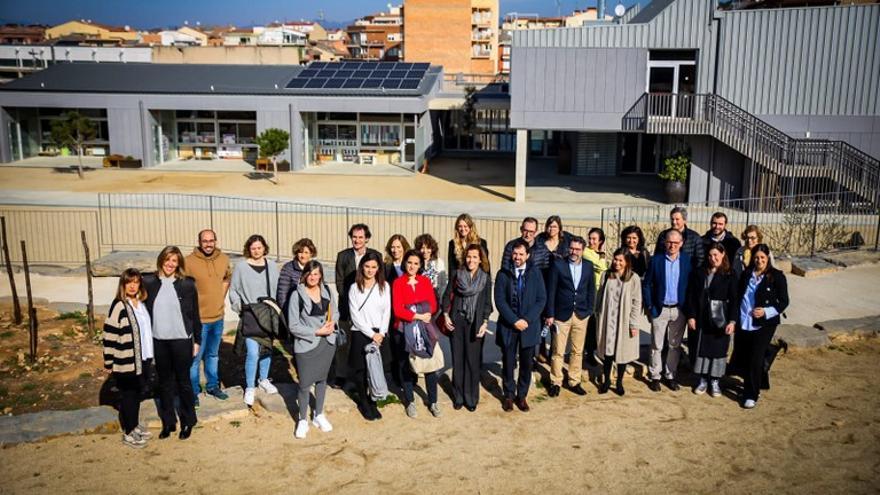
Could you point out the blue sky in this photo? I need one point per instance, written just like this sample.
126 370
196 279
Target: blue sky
158 13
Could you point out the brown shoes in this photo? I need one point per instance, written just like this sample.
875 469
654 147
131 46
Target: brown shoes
507 404
522 405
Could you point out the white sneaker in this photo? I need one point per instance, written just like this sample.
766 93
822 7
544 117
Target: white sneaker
714 388
749 404
267 387
134 440
249 396
321 422
701 387
302 429
143 432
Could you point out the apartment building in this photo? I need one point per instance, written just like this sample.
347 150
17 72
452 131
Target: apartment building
14 34
460 35
377 36
94 30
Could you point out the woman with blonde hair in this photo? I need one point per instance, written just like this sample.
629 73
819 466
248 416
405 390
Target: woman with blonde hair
128 353
173 304
464 234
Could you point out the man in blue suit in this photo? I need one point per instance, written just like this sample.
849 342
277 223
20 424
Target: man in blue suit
571 291
520 298
663 292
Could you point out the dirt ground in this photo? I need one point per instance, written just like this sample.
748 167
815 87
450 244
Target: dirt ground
816 431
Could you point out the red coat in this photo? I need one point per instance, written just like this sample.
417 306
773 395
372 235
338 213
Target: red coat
403 296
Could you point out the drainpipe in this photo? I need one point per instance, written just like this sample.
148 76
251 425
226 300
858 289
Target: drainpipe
717 20
600 10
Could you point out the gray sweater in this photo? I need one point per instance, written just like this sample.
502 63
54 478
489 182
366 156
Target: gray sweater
167 317
303 325
248 285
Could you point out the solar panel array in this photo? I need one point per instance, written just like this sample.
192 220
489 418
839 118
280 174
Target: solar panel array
360 75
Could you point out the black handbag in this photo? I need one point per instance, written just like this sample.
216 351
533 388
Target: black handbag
718 312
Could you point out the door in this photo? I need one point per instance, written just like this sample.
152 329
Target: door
15 148
661 80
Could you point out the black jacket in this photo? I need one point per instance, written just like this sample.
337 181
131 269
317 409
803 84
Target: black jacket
692 246
722 288
186 295
771 292
450 303
534 298
566 296
539 255
730 242
346 270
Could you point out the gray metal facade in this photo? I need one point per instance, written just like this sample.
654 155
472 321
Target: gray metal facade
810 71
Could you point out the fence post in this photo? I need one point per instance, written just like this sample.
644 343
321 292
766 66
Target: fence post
165 219
211 211
16 304
90 309
277 234
32 312
815 225
876 233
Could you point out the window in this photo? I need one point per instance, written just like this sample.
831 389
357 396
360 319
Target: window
380 135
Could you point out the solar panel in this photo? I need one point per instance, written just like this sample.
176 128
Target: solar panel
353 83
380 74
297 83
351 65
414 74
403 66
344 73
410 84
391 83
362 74
398 74
420 66
309 73
334 83
327 73
318 65
372 83
369 65
315 83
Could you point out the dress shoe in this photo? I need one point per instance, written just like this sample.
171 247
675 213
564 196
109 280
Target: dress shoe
185 432
167 431
553 391
457 405
578 389
654 385
672 384
522 405
376 414
605 387
471 408
619 389
507 404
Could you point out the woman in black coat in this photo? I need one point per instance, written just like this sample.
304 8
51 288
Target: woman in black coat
633 240
467 304
763 297
173 304
710 308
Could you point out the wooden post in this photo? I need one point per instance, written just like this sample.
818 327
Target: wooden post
91 306
32 312
16 305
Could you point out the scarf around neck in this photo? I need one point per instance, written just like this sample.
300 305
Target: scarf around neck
468 288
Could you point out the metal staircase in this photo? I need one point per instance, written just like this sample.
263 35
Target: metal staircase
787 166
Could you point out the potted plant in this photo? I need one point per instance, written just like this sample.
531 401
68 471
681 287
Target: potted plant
675 172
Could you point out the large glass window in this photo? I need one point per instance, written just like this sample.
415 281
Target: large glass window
380 135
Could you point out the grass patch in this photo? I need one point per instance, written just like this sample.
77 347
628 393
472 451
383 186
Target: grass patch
85 375
540 398
391 399
539 384
4 391
235 424
6 334
77 316
29 386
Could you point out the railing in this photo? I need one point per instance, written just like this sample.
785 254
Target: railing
797 166
793 225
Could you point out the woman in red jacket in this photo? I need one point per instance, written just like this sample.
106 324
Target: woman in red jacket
409 290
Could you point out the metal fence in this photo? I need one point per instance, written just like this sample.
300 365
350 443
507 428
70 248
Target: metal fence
793 225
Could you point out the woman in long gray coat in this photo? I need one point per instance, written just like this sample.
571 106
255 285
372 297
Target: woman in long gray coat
312 316
618 305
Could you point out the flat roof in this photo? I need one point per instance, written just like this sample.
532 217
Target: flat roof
202 79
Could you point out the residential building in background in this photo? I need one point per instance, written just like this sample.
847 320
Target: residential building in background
460 35
377 36
312 30
13 34
515 21
92 30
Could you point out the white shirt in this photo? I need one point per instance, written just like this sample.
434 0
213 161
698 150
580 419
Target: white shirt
145 325
376 311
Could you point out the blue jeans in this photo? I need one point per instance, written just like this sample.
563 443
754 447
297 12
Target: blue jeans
210 352
250 363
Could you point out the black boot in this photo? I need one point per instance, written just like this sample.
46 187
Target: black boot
621 370
606 373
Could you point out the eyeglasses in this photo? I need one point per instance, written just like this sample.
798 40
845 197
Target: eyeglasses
751 238
526 231
673 243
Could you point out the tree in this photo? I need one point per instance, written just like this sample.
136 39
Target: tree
272 143
469 118
73 131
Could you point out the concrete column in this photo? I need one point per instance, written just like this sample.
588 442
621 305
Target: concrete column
5 146
297 146
522 158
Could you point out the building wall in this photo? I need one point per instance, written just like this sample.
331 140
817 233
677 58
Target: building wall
575 88
77 27
253 55
725 166
440 33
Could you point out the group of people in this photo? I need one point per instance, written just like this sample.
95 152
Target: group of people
389 312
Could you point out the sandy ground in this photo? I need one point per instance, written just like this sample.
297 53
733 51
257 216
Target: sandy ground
816 431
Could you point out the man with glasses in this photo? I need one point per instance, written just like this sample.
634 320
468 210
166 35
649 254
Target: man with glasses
212 273
719 233
692 242
663 292
539 255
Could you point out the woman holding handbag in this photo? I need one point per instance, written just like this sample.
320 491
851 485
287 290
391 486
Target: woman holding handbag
467 304
312 316
128 353
369 301
413 302
253 278
710 307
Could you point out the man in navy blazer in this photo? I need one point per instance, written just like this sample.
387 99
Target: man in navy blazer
520 298
663 293
571 291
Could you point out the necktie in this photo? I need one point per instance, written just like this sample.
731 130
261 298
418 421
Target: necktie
519 288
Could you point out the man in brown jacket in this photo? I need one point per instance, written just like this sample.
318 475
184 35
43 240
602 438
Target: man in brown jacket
212 273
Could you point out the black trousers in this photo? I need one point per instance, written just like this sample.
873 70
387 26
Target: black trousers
467 356
130 387
754 345
518 389
173 360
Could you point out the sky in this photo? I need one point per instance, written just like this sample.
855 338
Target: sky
145 14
